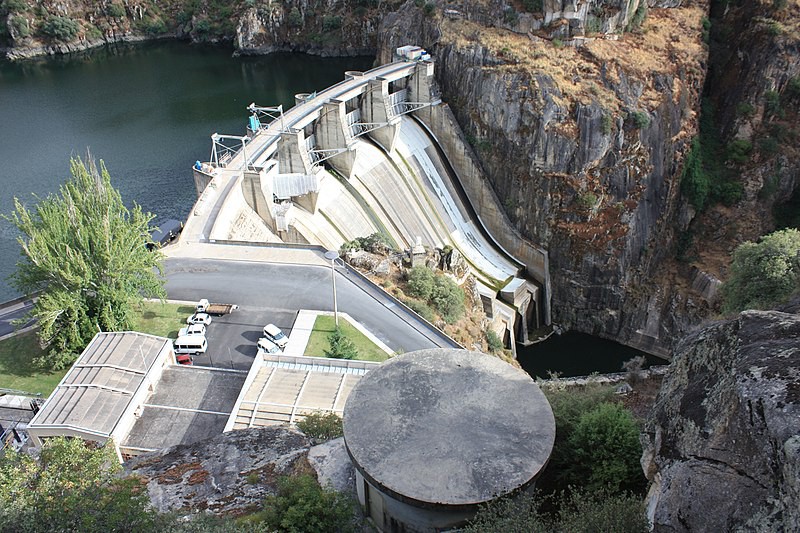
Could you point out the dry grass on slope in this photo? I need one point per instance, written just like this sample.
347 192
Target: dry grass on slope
670 40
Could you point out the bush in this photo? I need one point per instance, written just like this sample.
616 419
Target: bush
422 309
340 346
745 109
587 200
640 119
694 180
420 282
301 506
494 341
763 274
575 512
429 8
322 426
153 26
16 6
61 28
295 18
532 6
638 18
728 192
116 11
739 151
20 26
605 450
769 146
793 87
606 123
331 22
772 103
448 299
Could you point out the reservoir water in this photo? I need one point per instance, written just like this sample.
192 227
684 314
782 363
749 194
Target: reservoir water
147 110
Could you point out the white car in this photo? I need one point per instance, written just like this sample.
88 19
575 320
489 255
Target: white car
266 346
192 329
273 333
199 318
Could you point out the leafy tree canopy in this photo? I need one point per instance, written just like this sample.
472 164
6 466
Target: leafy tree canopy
72 486
765 273
322 426
84 251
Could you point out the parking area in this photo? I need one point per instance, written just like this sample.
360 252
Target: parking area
232 338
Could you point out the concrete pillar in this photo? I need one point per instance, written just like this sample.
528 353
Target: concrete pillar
293 156
258 196
375 109
333 132
420 83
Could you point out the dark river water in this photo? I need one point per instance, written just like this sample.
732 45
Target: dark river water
147 110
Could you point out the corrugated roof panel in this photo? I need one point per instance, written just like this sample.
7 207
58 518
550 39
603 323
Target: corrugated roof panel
286 186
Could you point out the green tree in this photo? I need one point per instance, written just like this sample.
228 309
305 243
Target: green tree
85 253
322 426
763 274
448 298
341 347
61 28
605 450
301 506
72 486
420 282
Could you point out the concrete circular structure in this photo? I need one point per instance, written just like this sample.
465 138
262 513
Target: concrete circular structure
436 432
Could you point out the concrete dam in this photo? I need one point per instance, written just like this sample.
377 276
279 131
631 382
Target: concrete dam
376 153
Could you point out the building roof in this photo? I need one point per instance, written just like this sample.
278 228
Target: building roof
448 428
98 389
286 388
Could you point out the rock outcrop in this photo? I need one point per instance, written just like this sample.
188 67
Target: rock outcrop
722 445
230 474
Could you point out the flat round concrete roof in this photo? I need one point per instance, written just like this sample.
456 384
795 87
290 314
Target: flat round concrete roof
448 427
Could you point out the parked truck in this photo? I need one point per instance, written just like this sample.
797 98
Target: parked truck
203 306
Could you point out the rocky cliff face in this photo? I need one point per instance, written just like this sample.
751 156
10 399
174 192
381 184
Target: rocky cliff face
232 473
722 445
584 146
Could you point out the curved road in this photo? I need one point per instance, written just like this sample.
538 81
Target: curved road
281 289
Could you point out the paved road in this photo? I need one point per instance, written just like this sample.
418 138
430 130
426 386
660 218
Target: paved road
274 293
7 316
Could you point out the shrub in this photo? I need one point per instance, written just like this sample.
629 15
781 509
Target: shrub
793 87
116 11
301 506
772 103
331 22
420 282
429 8
769 145
763 274
153 26
341 347
694 180
605 124
494 341
728 192
295 19
448 299
60 28
745 109
587 200
593 24
638 18
606 450
532 6
640 119
16 6
20 26
322 426
739 150
422 309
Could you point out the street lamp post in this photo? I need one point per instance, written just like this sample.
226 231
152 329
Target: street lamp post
333 255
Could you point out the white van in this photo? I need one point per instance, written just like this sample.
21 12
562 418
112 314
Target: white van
191 344
273 333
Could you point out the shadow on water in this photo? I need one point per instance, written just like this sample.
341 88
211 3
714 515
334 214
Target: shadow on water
578 354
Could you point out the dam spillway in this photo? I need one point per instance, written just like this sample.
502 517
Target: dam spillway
357 159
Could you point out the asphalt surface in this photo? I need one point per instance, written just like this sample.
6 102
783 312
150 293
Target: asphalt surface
275 293
7 316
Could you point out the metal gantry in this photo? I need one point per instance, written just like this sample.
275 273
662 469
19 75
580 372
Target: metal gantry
221 154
